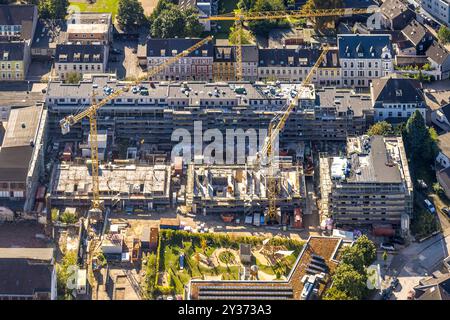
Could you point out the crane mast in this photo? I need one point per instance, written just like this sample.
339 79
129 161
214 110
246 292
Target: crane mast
275 127
91 114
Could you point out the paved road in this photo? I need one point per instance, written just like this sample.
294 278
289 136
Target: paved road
419 260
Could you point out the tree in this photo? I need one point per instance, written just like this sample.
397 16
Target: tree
350 281
367 248
335 294
53 9
382 128
193 27
69 217
150 275
169 21
65 272
444 34
264 27
420 142
130 14
169 24
73 77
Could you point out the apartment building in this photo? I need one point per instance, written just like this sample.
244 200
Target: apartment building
224 65
369 186
21 157
17 29
198 65
365 57
14 60
439 9
328 114
395 99
80 59
88 34
286 64
18 22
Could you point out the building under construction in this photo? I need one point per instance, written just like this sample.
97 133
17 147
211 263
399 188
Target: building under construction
122 186
153 111
242 189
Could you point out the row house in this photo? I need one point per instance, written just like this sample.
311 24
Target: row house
17 29
396 14
439 58
418 36
198 65
364 57
80 59
224 65
14 60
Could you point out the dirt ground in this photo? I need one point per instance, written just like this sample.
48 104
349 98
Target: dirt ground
148 5
22 234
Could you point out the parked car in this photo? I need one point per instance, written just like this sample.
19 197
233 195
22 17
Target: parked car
386 293
115 51
446 210
387 246
398 240
429 206
394 283
421 184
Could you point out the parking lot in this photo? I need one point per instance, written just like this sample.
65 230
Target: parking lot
125 64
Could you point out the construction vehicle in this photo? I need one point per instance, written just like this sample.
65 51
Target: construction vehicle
240 17
267 154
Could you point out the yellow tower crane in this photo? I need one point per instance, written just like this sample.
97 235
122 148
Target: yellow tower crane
239 17
277 124
91 113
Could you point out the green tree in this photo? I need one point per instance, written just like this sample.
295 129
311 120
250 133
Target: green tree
73 78
444 34
68 217
193 27
382 128
264 27
64 272
367 248
169 24
53 9
334 294
130 14
321 22
420 141
350 281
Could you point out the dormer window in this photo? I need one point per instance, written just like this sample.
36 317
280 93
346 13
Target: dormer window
163 52
76 56
398 93
204 53
174 52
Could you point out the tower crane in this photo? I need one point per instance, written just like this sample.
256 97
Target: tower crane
91 114
276 125
239 17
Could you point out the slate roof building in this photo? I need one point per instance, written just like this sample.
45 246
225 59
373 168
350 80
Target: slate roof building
439 58
18 22
27 274
441 117
364 58
436 287
80 59
396 14
396 99
418 35
198 65
14 60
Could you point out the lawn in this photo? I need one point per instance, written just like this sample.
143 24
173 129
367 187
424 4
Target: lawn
110 6
199 248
